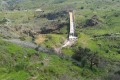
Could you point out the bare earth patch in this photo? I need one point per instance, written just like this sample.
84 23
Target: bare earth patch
40 39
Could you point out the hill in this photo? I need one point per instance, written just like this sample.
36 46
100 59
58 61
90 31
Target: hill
45 23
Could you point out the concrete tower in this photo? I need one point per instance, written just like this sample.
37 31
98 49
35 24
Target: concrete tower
72 26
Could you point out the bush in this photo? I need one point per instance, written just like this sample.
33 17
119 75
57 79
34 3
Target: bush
82 7
118 51
86 57
22 38
93 21
3 21
87 73
112 77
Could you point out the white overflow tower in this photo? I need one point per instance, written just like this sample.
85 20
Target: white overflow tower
72 38
72 27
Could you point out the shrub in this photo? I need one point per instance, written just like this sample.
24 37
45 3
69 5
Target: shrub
3 21
22 38
93 21
112 77
86 57
82 7
118 51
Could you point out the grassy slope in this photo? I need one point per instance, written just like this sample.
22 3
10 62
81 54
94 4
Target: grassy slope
22 63
106 11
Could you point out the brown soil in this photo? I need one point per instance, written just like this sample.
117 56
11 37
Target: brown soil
40 39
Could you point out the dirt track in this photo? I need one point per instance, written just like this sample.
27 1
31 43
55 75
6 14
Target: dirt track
22 43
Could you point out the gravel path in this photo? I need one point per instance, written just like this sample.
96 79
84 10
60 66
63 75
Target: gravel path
22 43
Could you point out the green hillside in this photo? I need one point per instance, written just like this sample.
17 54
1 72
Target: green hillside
45 23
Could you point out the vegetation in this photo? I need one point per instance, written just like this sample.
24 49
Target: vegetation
94 56
19 63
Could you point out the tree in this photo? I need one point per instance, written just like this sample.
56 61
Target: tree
86 57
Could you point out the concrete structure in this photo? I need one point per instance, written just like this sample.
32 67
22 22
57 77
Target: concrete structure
72 27
72 38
